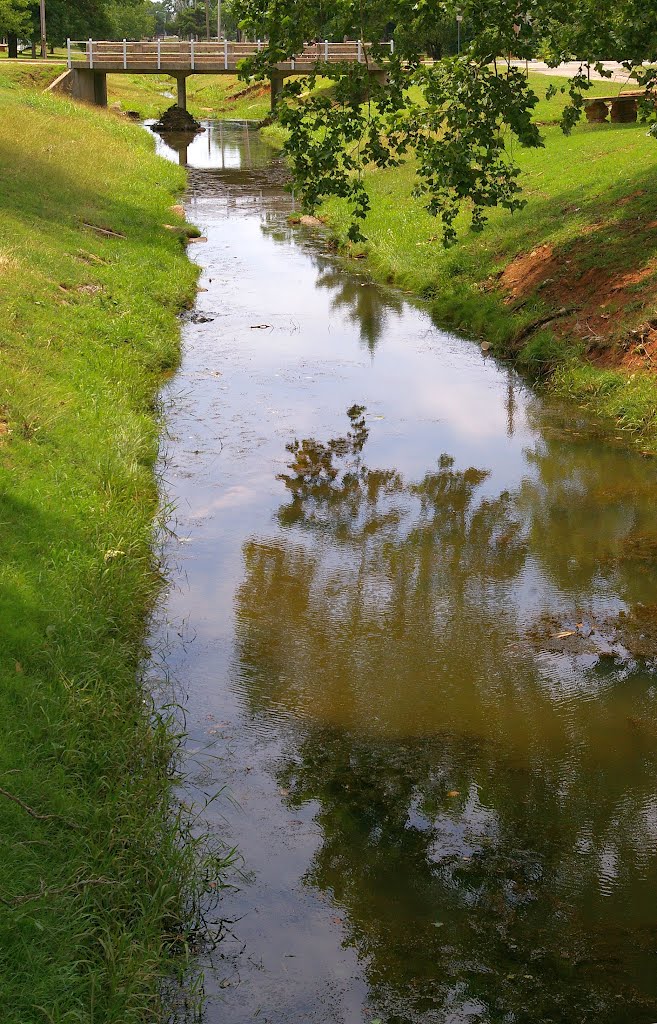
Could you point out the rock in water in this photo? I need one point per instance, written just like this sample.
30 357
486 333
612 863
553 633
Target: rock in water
175 119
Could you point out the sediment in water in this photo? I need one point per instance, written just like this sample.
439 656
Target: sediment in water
175 119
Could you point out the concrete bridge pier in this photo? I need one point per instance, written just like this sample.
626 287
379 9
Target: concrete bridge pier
89 86
181 82
277 79
379 76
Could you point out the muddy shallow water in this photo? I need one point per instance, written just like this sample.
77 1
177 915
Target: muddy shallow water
414 653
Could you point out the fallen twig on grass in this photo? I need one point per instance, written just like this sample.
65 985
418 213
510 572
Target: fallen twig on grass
17 901
103 231
35 814
90 257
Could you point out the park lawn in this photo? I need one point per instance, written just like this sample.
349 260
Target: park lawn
586 242
225 97
58 53
93 876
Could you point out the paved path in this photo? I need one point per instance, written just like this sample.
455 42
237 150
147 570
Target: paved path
619 74
50 62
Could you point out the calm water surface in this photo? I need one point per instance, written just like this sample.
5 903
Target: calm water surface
416 652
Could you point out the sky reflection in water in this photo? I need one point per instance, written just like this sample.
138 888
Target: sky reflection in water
446 807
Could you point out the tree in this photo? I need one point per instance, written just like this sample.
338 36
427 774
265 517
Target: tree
229 19
76 21
15 17
163 15
190 21
110 19
465 109
131 20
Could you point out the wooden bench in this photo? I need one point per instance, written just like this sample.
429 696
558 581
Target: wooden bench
623 107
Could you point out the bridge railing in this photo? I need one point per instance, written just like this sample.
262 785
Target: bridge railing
222 55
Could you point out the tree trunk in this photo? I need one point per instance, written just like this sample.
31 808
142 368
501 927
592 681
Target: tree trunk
12 45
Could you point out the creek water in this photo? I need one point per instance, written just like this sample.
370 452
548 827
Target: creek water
415 654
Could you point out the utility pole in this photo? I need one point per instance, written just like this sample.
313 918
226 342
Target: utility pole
42 19
218 19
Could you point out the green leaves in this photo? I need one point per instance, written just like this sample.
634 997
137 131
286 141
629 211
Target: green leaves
454 117
457 116
458 134
332 138
14 16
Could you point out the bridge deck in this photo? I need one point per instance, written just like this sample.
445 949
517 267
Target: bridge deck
222 57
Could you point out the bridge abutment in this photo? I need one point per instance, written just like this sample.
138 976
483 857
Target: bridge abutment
90 86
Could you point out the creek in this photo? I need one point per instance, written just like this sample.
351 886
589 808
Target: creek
415 654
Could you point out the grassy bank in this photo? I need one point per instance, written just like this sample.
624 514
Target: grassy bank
220 96
208 96
223 96
17 74
568 286
91 873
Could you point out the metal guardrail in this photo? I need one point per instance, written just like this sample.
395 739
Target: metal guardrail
219 55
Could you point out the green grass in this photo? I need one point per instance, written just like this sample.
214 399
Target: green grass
548 111
59 53
220 96
591 198
93 882
223 96
15 75
275 135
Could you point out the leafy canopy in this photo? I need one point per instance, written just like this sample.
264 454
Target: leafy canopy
457 115
79 19
15 17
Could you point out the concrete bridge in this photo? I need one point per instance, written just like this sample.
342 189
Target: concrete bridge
90 61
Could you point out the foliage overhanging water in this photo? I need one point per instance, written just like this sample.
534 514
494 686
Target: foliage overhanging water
420 658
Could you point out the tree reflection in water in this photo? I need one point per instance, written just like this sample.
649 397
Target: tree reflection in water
364 303
491 837
360 298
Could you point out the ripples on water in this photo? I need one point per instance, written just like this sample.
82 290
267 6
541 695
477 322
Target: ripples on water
425 671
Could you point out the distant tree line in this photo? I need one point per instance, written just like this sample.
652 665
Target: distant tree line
136 19
114 19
